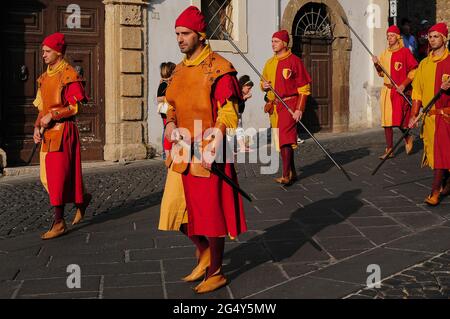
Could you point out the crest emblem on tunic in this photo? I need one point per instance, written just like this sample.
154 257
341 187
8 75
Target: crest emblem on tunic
287 73
398 66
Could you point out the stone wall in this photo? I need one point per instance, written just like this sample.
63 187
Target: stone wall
126 79
443 11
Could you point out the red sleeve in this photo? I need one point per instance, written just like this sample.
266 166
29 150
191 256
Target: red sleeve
303 77
226 88
74 92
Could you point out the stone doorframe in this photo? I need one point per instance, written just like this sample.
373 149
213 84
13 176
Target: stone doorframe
341 47
126 78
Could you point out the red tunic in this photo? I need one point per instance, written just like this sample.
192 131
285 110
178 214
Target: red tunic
442 127
291 75
214 208
63 168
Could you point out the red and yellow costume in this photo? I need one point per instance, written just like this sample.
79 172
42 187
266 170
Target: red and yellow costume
432 72
395 110
290 79
203 94
214 105
60 90
401 65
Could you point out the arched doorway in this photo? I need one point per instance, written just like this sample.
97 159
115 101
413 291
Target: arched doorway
312 38
323 41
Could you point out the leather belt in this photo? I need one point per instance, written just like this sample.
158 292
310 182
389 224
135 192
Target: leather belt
444 111
286 98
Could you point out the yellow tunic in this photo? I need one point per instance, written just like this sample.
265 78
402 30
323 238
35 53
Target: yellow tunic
424 90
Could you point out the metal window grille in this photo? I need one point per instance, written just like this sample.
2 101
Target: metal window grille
218 14
314 22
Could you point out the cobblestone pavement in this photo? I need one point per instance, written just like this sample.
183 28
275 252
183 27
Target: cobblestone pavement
428 280
315 238
24 206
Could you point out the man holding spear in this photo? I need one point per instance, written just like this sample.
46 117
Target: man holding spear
433 77
401 64
286 73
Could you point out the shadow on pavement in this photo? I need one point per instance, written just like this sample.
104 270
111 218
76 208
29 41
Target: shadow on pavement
284 240
324 165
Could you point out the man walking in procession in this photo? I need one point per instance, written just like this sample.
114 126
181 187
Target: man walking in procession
432 75
286 73
203 96
60 90
395 110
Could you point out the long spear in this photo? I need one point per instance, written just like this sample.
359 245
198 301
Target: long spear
285 105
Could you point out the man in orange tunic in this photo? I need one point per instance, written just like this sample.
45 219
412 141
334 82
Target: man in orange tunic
286 73
59 92
401 65
203 96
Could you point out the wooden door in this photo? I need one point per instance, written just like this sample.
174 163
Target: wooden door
317 57
25 23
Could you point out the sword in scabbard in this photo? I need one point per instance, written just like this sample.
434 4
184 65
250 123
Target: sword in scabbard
35 146
216 170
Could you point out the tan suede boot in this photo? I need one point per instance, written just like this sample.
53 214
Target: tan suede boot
199 271
409 144
79 215
283 180
386 151
433 199
57 229
213 282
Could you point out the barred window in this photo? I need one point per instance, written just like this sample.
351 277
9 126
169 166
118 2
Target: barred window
219 16
225 15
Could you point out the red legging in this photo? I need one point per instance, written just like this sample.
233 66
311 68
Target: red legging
216 245
389 134
438 180
287 158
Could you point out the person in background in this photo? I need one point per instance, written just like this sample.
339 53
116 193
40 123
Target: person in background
422 39
246 86
166 69
409 40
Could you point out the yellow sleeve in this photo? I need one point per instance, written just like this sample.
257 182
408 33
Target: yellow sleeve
269 73
305 90
417 93
171 115
38 101
265 76
228 114
412 74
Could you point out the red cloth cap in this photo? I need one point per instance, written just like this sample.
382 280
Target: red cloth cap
193 19
56 42
393 29
283 35
441 28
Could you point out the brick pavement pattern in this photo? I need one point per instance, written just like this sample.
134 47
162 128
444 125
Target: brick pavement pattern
315 238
